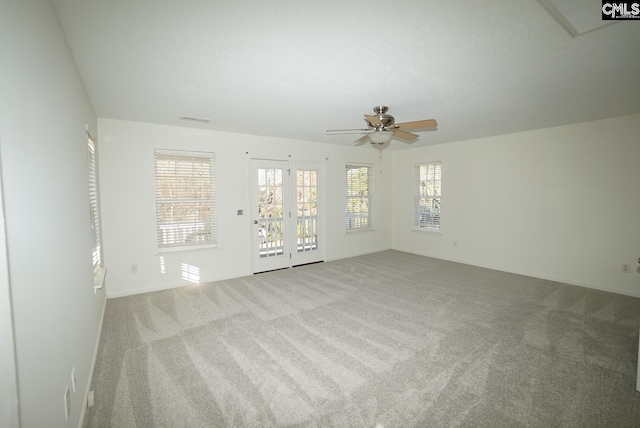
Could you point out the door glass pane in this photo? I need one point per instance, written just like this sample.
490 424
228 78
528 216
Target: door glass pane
307 210
270 210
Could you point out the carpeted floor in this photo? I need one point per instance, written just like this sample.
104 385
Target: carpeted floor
384 340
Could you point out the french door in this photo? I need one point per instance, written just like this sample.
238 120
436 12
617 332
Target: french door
286 217
305 212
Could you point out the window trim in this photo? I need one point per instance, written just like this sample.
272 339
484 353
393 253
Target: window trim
196 246
417 197
370 196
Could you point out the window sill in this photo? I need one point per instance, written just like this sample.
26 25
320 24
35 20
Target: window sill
360 229
426 230
193 248
98 279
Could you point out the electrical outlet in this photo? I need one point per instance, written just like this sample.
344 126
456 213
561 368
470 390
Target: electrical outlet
240 212
134 268
67 403
73 380
626 268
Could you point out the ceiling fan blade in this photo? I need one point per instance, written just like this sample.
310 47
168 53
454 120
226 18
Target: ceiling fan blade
362 140
418 124
374 120
345 130
403 135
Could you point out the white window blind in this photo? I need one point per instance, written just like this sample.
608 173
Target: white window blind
427 195
359 197
94 210
185 199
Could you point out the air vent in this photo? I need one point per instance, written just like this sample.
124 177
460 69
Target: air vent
195 119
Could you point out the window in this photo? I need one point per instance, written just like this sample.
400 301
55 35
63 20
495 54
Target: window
94 210
185 199
359 197
427 195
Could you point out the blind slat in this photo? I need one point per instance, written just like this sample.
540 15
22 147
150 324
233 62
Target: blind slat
359 196
94 211
185 199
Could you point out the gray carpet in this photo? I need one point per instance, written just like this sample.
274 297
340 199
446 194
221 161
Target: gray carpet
383 340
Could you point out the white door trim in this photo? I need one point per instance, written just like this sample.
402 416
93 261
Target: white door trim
290 256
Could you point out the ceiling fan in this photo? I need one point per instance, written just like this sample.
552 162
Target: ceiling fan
382 128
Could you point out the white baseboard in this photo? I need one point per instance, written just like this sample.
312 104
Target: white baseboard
125 293
624 292
92 368
362 253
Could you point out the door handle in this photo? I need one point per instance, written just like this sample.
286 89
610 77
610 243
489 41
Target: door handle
255 221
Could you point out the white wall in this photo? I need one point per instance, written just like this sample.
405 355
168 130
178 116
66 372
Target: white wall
559 203
128 201
43 112
9 408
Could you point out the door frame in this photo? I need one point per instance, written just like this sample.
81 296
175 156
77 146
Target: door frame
291 203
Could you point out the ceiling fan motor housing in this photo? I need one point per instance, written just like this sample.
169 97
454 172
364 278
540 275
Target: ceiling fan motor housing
385 119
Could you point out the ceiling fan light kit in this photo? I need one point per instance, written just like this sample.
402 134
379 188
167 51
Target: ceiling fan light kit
382 128
381 137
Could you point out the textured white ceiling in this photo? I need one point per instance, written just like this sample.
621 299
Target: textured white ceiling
577 16
295 68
